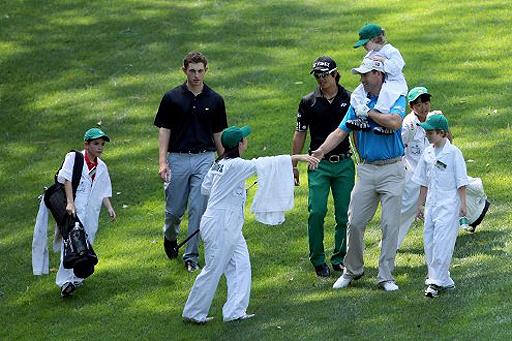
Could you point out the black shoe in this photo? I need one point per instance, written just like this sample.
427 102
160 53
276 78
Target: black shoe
383 131
67 289
358 124
322 270
191 266
170 248
338 267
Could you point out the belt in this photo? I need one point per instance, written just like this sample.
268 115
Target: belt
192 151
337 157
381 162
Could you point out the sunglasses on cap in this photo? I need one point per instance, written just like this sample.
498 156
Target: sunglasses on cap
323 74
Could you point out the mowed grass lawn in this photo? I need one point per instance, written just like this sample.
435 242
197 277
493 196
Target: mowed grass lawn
66 66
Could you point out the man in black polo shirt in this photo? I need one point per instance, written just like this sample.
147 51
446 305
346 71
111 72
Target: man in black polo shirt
191 118
322 111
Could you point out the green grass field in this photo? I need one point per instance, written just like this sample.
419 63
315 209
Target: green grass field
69 65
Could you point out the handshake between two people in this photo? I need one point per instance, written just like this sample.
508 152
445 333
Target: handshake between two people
312 161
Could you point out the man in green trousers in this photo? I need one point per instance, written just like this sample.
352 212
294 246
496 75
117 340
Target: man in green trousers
322 111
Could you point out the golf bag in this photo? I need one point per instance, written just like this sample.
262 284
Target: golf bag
78 252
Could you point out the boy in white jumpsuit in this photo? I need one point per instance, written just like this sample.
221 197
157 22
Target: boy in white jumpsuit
93 189
441 173
415 141
372 38
225 248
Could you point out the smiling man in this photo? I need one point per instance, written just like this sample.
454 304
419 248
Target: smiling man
380 177
321 111
191 118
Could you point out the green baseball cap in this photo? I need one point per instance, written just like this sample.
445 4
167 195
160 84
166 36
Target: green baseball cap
417 92
95 133
231 136
434 122
368 32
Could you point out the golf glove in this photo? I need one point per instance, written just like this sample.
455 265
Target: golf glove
361 110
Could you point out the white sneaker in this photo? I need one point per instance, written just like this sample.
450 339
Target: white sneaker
194 321
389 286
342 282
241 318
432 291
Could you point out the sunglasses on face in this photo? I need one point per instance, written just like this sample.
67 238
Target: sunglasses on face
323 74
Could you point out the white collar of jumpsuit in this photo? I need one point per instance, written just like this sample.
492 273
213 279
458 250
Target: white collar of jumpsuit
446 150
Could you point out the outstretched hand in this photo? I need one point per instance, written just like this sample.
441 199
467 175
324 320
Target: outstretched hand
319 154
310 159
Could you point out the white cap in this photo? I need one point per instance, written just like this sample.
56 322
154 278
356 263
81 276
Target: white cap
368 65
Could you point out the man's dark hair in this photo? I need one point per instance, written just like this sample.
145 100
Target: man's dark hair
194 57
337 77
383 75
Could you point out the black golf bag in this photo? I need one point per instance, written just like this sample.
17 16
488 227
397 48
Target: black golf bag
78 252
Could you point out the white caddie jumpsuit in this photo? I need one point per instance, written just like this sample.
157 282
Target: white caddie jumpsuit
225 248
442 175
88 201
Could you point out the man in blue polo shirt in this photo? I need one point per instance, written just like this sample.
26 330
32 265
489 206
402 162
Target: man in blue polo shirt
380 178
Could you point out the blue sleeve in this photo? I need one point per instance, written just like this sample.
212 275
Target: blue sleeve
350 115
399 107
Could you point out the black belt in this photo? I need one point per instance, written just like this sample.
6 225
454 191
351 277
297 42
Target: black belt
337 157
192 151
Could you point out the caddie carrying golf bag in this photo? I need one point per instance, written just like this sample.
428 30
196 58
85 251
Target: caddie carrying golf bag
78 252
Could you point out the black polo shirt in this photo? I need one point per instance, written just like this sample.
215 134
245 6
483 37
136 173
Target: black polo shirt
322 118
192 119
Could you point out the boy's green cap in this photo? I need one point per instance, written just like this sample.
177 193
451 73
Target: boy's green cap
368 32
434 122
95 133
233 135
417 92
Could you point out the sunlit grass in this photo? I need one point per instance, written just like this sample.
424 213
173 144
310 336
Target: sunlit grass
67 66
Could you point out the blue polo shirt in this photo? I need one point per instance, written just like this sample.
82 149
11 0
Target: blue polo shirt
373 146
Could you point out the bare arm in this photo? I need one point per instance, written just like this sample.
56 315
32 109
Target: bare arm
218 143
390 121
70 206
110 209
163 144
299 138
420 213
461 191
313 161
330 143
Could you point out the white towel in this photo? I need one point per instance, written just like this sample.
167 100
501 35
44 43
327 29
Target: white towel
40 262
40 257
275 189
475 199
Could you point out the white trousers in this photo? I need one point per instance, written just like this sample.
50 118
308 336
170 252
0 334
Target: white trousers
409 206
439 242
374 184
226 253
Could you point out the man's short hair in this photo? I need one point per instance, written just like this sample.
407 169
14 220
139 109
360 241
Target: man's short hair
194 57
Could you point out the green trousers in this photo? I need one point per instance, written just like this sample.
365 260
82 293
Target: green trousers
339 178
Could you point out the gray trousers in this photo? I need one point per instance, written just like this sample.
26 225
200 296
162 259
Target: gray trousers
374 184
184 190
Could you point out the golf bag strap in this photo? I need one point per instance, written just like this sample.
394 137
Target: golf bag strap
77 171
